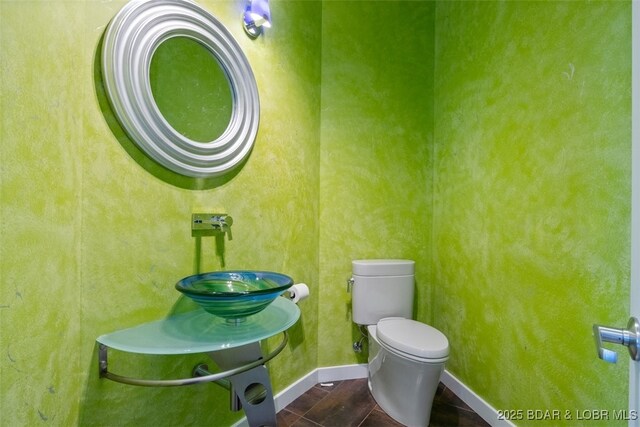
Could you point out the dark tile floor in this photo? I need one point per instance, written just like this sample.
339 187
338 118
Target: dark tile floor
349 403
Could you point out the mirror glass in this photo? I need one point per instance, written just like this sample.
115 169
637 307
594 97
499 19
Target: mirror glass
191 89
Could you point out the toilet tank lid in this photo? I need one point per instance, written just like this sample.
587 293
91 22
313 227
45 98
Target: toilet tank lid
413 337
383 267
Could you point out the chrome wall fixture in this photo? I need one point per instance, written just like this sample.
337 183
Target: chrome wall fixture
211 224
628 337
257 16
129 44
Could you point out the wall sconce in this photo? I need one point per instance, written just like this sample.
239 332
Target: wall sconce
256 17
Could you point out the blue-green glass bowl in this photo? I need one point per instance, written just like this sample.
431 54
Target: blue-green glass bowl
234 294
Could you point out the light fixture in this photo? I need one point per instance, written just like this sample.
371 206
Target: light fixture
256 17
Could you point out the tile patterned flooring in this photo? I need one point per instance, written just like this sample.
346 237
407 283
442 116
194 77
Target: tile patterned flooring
349 403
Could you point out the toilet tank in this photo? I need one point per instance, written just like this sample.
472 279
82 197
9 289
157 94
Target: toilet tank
382 288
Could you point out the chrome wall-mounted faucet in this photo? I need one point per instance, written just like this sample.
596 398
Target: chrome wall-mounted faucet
207 224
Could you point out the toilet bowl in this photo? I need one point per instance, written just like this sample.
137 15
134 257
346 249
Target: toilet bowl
406 357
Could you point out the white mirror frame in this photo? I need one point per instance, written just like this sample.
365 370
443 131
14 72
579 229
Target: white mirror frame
129 44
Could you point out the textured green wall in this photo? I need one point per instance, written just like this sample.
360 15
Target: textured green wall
90 242
532 199
489 141
377 129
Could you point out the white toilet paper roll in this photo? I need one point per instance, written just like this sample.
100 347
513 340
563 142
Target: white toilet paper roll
298 292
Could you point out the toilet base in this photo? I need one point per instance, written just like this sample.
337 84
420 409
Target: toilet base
403 388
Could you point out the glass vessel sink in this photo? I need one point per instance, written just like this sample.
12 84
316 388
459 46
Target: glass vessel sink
234 295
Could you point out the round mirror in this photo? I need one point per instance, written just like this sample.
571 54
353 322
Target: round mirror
137 45
191 89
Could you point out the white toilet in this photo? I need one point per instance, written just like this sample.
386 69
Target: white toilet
406 357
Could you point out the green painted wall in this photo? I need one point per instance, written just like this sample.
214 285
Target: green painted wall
489 141
532 199
496 152
377 133
90 242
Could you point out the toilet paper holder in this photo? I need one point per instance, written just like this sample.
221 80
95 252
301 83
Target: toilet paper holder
298 292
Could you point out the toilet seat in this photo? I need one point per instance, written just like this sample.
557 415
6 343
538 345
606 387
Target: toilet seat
412 339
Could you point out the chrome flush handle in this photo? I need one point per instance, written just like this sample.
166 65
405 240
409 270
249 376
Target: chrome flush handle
350 284
628 337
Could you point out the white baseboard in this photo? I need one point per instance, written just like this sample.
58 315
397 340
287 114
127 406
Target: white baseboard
341 373
319 375
475 402
350 372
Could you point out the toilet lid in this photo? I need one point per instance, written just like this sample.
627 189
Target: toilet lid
412 337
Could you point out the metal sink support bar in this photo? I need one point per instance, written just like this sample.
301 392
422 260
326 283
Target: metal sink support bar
249 384
104 372
250 390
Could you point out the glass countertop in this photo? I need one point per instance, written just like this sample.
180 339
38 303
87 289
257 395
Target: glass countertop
200 332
